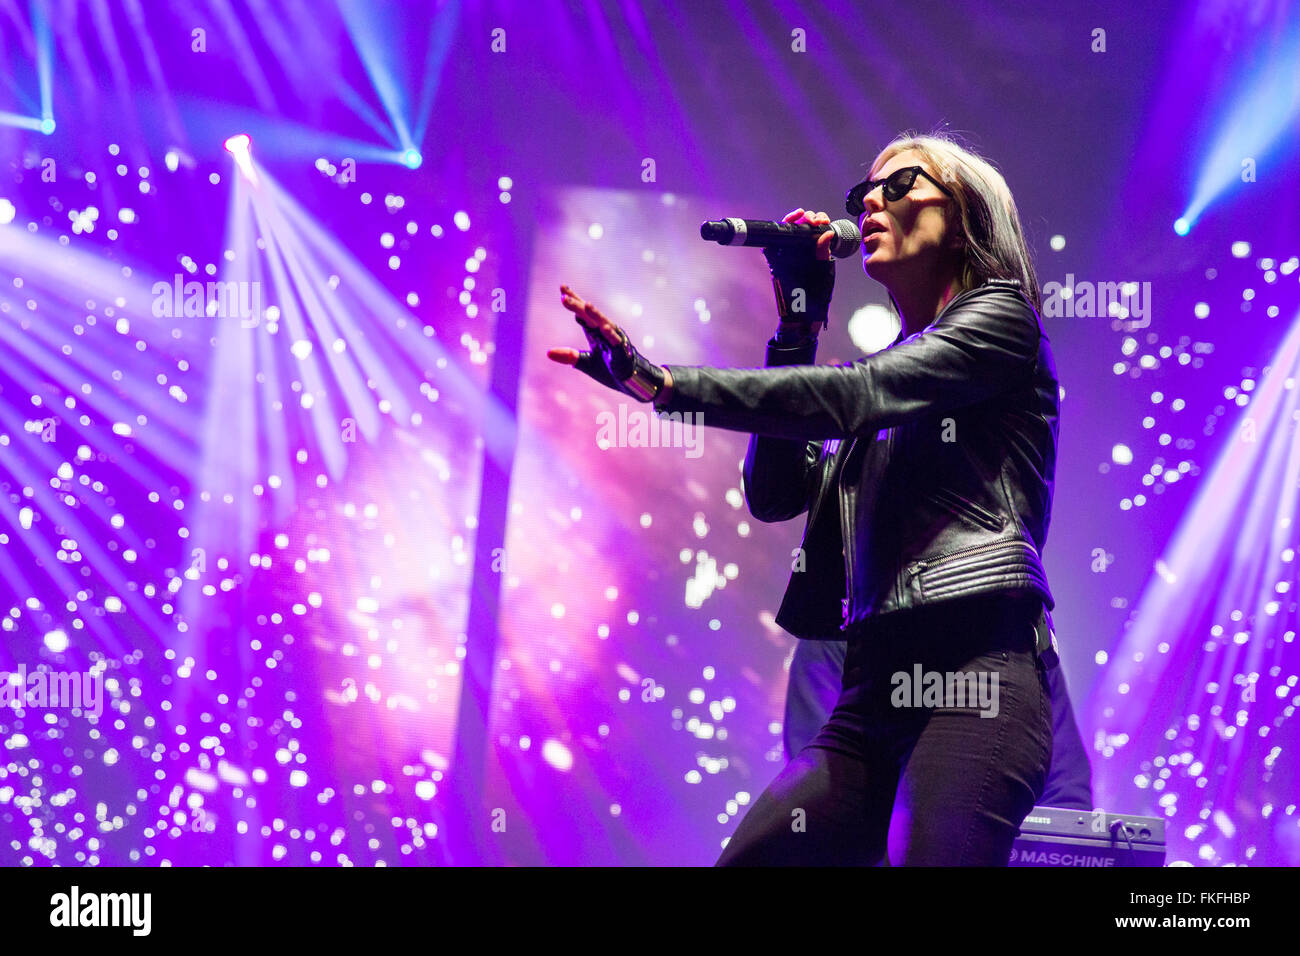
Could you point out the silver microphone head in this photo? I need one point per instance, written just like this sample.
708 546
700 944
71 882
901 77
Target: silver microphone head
848 238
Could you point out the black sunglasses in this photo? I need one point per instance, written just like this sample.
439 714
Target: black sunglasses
897 185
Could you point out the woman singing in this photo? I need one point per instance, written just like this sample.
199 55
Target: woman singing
927 472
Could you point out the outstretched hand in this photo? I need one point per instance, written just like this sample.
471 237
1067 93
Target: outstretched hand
612 361
590 318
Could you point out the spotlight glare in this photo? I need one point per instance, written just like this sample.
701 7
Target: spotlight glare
412 159
1182 226
47 126
872 328
239 146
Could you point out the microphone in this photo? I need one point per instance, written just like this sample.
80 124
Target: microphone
766 234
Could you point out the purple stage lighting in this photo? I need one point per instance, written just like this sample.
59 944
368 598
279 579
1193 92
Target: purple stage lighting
350 574
240 147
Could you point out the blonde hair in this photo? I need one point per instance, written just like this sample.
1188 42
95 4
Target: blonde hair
993 240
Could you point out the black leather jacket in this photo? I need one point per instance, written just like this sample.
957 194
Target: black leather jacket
927 469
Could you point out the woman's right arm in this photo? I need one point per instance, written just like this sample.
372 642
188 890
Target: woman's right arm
778 470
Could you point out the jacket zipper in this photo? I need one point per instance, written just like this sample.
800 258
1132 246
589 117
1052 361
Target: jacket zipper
827 464
846 535
973 511
817 505
916 567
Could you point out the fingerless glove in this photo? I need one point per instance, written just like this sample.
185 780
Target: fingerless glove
803 285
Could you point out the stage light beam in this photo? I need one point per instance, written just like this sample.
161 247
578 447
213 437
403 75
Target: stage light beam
240 147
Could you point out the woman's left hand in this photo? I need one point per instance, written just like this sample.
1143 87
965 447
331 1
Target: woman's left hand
612 361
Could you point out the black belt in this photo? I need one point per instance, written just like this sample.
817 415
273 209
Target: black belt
1046 638
999 614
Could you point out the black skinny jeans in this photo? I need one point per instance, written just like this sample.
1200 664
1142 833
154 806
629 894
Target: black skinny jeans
916 785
